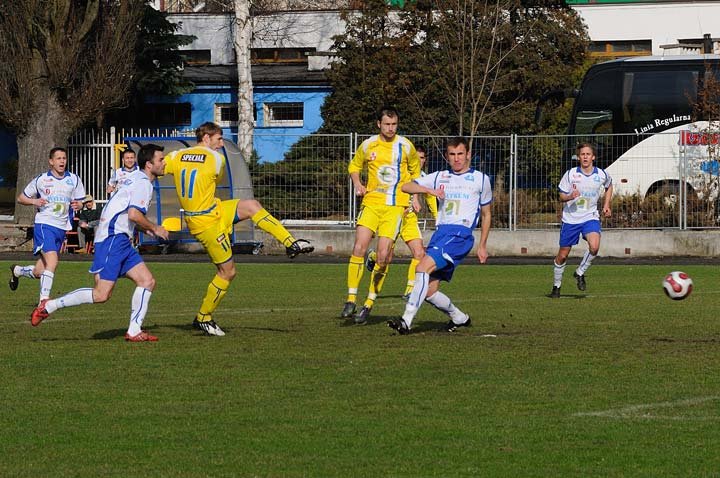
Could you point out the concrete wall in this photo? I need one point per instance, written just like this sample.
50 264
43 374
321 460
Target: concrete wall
615 243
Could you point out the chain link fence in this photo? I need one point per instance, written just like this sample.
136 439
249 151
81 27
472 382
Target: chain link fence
665 180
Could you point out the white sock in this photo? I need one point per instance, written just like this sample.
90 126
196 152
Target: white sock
138 309
558 271
417 296
71 299
585 263
46 283
443 303
24 271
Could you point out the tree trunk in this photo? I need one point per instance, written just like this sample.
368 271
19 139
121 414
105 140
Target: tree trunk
48 130
243 40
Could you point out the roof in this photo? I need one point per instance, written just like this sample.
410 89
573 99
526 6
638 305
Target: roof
262 75
668 58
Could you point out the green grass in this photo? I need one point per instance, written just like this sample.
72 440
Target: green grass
616 381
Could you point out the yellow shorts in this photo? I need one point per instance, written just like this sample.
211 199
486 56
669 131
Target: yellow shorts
216 239
384 221
410 228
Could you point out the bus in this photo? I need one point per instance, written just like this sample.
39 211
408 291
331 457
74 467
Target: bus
640 112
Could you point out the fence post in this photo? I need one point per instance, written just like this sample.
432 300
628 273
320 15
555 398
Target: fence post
682 200
113 140
351 189
512 219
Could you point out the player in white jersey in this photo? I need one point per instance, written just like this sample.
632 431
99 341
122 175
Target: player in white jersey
54 194
115 256
128 166
464 197
580 190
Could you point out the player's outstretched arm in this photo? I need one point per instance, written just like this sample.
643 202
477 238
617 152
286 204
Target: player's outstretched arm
414 188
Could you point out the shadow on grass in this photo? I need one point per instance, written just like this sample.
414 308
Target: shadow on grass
110 334
568 296
189 327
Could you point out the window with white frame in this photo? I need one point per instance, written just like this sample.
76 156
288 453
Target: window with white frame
283 114
226 114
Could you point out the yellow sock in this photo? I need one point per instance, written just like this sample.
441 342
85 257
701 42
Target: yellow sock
377 279
411 275
215 292
265 221
354 276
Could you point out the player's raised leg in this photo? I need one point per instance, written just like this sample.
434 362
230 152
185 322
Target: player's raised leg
253 210
101 293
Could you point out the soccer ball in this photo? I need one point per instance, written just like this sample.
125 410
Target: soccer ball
677 285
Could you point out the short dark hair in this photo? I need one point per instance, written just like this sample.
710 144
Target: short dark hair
586 145
55 150
126 151
457 141
388 111
207 128
146 153
421 149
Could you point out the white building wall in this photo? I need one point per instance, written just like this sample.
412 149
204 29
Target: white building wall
214 32
663 23
281 30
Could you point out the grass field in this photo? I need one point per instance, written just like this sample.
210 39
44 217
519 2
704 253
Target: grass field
616 381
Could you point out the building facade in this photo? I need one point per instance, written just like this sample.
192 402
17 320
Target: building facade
290 54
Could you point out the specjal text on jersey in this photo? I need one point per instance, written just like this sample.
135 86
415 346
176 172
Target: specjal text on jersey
193 158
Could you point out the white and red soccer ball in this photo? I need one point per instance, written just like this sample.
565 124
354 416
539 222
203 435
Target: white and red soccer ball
677 285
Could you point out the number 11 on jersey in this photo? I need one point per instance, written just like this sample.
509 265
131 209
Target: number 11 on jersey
187 184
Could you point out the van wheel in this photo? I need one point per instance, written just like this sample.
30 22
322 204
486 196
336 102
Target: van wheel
669 191
665 188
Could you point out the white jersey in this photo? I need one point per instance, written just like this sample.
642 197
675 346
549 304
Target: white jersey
119 175
58 192
591 186
465 194
136 193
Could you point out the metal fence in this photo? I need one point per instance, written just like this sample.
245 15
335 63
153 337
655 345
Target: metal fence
666 180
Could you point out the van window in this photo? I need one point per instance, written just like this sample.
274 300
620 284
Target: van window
651 99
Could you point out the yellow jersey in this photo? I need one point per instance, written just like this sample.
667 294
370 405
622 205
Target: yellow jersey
196 171
390 165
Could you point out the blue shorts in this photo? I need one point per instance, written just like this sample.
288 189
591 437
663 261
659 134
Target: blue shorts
448 246
114 257
47 238
570 233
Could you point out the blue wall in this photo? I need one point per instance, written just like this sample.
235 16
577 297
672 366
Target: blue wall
271 143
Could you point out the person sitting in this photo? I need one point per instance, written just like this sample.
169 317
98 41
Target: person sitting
89 218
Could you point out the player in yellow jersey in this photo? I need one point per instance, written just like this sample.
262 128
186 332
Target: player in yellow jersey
391 161
410 233
195 172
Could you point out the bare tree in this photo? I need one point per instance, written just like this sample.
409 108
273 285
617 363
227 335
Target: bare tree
65 63
483 50
243 41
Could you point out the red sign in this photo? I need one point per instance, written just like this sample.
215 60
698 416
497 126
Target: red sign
700 138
